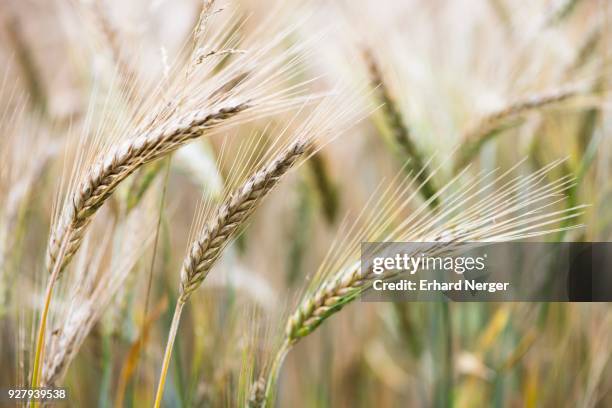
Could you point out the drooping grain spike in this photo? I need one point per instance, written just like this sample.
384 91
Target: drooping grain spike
117 165
232 214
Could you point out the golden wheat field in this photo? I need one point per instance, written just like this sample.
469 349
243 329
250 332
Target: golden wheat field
185 187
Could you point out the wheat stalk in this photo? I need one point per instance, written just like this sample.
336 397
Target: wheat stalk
103 179
496 122
232 214
401 132
478 223
351 281
94 287
249 81
224 226
121 162
325 186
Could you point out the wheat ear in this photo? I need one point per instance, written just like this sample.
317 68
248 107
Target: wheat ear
121 162
400 130
103 179
498 121
477 223
224 226
346 285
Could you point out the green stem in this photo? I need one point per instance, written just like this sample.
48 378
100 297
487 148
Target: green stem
274 371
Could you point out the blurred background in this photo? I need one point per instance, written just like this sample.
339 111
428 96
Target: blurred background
479 83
